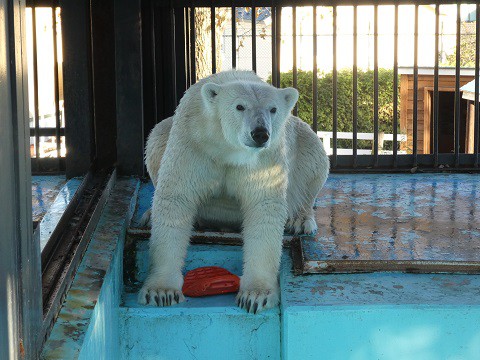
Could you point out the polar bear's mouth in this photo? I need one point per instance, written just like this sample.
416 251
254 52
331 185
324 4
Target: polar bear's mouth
254 146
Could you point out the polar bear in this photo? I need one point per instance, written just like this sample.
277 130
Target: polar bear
231 156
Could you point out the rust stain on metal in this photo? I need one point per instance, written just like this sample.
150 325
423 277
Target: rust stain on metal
21 349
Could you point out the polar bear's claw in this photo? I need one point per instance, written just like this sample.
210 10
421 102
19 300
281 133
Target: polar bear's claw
160 297
145 220
255 301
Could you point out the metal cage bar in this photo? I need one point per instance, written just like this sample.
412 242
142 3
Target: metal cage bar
294 60
315 79
273 12
415 88
45 165
55 82
355 88
375 85
254 38
213 39
477 85
395 88
456 119
193 62
278 39
401 158
35 87
234 37
435 87
334 87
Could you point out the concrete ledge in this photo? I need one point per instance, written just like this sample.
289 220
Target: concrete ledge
373 332
379 316
201 328
88 323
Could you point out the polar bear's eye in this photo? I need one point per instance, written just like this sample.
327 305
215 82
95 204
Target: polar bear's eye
273 110
240 108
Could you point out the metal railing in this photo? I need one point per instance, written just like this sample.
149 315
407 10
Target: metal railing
47 137
179 19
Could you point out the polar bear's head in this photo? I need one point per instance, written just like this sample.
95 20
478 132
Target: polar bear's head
252 114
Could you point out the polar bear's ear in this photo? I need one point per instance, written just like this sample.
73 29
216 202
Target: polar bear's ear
291 96
210 92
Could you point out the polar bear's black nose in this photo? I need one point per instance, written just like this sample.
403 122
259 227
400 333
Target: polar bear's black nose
260 135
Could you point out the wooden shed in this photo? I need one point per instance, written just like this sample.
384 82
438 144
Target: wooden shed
446 86
468 93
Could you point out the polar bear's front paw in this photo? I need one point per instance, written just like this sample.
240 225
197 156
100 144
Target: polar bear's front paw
152 296
301 225
254 301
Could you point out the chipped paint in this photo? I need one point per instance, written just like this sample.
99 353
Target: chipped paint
87 325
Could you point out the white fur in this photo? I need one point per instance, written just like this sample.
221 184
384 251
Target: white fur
205 169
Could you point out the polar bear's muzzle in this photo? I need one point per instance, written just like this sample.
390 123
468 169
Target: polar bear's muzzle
260 136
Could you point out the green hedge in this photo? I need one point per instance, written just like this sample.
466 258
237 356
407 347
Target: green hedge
365 109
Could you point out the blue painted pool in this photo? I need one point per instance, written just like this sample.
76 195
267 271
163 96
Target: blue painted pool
334 316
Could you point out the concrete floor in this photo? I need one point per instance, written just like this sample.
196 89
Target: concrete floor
365 316
380 315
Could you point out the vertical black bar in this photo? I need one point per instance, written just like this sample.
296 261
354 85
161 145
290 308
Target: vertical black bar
188 48
477 84
180 51
435 87
129 94
355 95
148 68
254 38
294 41
170 57
104 89
193 62
159 63
315 79
334 88
457 90
35 88
213 39
395 88
278 38
273 14
415 88
234 37
375 84
55 83
77 85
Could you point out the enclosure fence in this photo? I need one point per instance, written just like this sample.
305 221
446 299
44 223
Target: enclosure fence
46 115
420 58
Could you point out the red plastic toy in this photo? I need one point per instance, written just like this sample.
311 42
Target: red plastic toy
210 280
